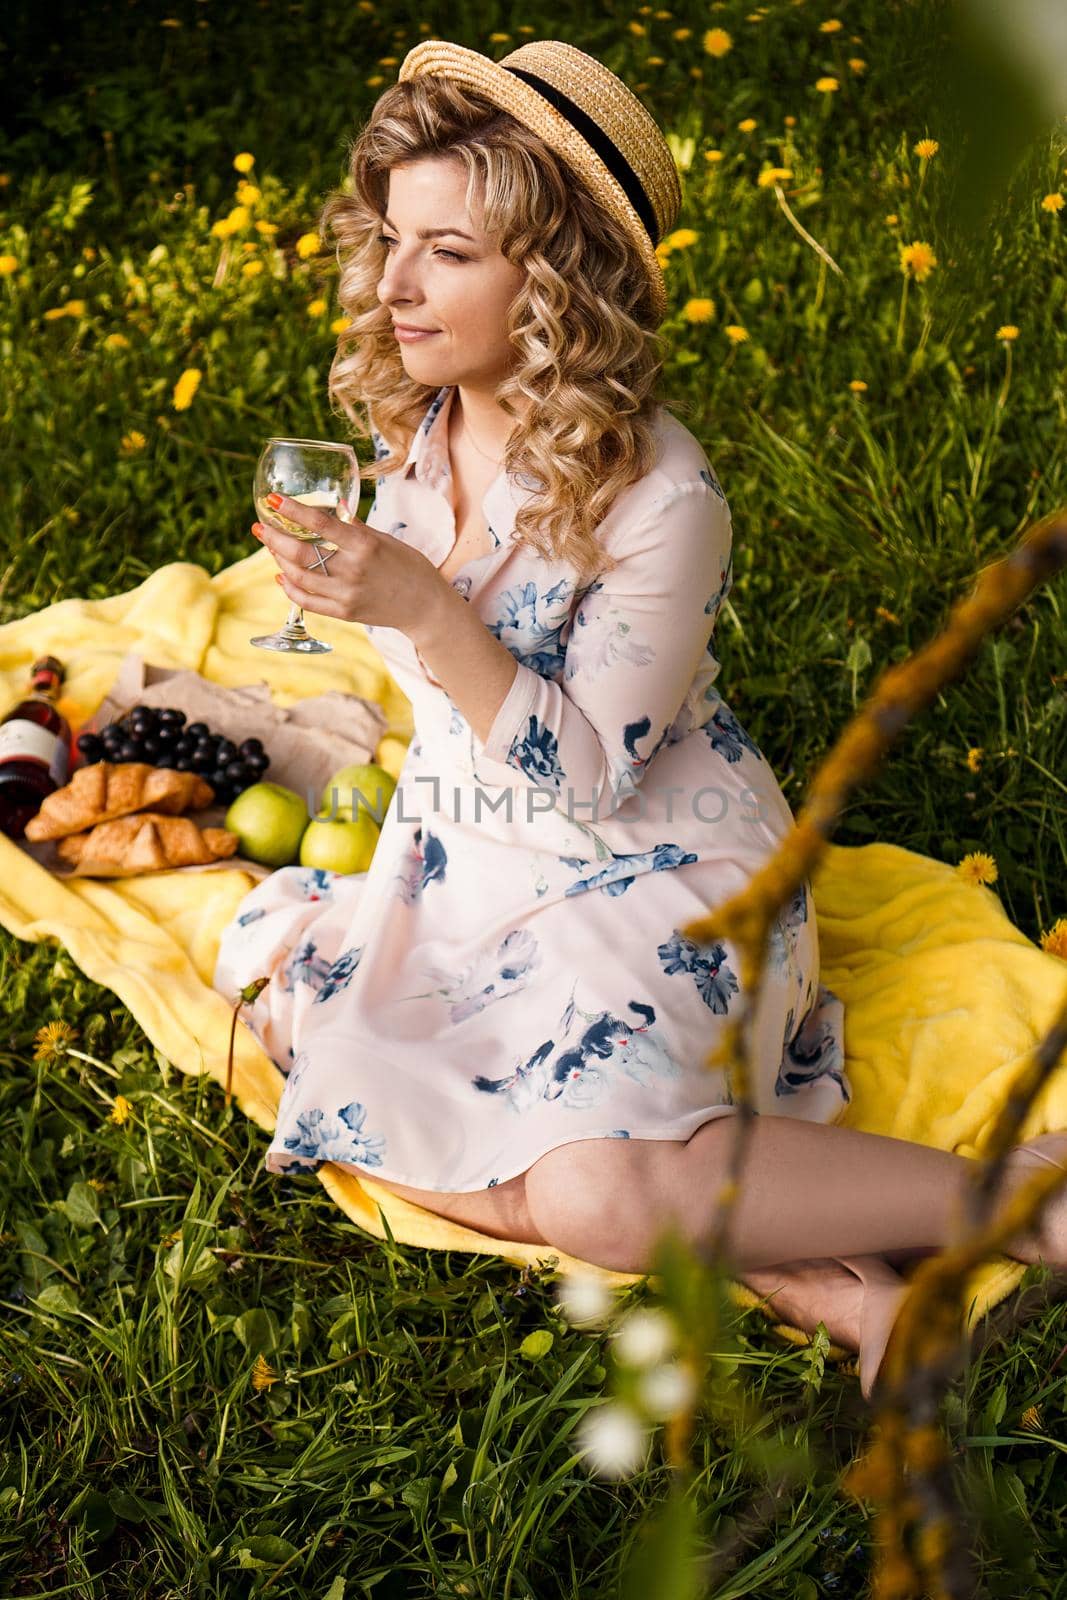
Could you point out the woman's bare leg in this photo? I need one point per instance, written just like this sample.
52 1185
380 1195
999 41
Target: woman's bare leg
807 1190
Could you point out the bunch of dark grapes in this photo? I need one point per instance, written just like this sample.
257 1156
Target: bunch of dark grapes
162 738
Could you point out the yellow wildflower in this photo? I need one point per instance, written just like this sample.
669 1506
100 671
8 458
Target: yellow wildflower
222 228
494 38
8 265
97 1183
116 341
52 1040
663 254
974 758
680 239
682 34
892 220
339 324
239 217
790 122
827 85
263 1374
638 29
1031 1419
73 308
245 161
858 386
316 308
918 259
1054 940
170 1238
772 175
373 83
857 64
717 41
307 245
698 310
1053 201
655 61
121 1110
748 125
267 229
713 155
978 867
186 388
132 442
251 269
1008 331
927 148
248 194
831 25
881 611
735 333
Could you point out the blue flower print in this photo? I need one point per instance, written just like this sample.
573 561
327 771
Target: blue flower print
602 638
428 863
712 482
617 878
336 1138
250 916
531 624
815 1051
727 735
305 965
537 754
714 605
339 975
456 723
714 979
317 883
581 1070
493 977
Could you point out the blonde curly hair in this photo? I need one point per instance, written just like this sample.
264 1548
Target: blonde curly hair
583 329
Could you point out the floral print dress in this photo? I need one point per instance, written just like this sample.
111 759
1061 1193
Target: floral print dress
511 973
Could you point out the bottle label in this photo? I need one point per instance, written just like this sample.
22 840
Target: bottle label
19 739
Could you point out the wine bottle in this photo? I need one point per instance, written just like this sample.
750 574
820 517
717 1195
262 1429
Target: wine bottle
34 749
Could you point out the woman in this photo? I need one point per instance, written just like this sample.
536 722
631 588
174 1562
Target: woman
501 1020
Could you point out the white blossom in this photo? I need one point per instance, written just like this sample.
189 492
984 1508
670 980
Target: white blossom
614 1438
666 1390
645 1338
584 1298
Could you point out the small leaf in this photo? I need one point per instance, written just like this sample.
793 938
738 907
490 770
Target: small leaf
58 1298
257 1330
81 1207
416 1494
265 1551
536 1345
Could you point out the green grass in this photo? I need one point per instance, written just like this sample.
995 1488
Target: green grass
409 1447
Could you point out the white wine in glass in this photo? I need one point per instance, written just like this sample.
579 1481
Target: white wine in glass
313 472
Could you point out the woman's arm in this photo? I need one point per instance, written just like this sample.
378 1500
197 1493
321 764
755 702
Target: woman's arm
471 665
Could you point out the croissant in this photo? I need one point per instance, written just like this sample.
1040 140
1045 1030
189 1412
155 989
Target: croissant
147 842
106 789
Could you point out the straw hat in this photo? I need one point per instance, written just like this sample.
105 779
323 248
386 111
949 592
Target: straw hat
589 118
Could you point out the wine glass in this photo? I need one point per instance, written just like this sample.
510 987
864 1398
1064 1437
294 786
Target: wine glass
315 473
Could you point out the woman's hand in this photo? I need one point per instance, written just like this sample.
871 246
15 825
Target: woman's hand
371 577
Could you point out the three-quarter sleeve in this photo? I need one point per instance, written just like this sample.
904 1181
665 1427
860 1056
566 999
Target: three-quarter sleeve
638 638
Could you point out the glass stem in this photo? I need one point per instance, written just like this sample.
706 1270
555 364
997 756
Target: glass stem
295 619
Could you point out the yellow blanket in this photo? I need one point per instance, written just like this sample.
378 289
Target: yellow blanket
943 996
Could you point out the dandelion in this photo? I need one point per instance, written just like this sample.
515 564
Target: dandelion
170 1239
717 42
917 261
858 386
682 34
1053 201
772 175
827 85
974 758
748 125
121 1110
1007 330
1031 1419
666 1390
885 614
339 324
263 1374
1054 941
613 1437
251 269
186 388
680 239
584 1298
52 1041
735 333
926 148
97 1183
307 245
857 64
248 194
646 1337
790 122
132 443
245 161
638 29
713 155
239 218
831 25
892 220
222 229
73 308
697 310
8 265
267 229
316 308
978 867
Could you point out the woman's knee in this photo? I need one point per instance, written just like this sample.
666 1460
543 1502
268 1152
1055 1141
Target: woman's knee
604 1200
